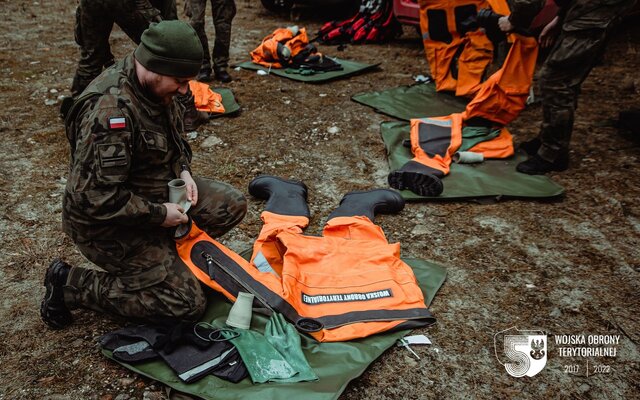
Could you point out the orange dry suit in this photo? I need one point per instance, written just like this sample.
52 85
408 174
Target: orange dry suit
499 100
349 283
457 52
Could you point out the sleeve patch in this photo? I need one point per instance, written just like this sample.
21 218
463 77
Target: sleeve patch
112 155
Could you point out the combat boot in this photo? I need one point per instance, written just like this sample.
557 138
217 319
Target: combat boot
537 165
369 203
283 197
418 178
53 310
221 74
532 146
204 75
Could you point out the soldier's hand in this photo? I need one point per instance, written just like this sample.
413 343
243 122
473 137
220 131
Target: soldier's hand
504 24
175 215
549 33
192 188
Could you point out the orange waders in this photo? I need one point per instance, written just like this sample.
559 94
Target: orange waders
349 283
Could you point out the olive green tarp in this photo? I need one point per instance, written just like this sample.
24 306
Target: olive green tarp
416 101
348 68
489 179
336 364
231 107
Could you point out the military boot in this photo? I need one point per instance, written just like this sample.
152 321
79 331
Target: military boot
369 203
537 165
204 75
221 74
53 310
532 146
283 197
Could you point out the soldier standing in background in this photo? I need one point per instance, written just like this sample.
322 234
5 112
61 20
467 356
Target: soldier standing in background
94 22
580 32
125 132
222 12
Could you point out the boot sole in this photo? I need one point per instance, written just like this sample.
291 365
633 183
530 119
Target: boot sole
256 181
419 183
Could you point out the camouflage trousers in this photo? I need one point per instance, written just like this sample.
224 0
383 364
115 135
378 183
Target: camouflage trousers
571 59
143 278
222 12
94 22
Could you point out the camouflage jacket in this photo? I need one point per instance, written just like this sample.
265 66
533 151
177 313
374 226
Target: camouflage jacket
576 14
125 148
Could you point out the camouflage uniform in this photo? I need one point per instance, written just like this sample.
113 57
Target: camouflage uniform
222 12
94 21
581 43
113 209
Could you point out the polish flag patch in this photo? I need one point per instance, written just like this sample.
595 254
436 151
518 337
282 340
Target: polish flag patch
117 123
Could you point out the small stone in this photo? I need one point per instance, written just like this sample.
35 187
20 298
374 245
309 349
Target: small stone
122 396
333 130
192 135
50 102
53 91
124 382
211 141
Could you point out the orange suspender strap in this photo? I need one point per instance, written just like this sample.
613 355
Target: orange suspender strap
502 96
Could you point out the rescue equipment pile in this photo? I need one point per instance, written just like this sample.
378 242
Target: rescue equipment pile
290 48
374 23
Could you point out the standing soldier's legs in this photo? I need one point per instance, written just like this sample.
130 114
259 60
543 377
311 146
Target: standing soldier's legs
195 10
222 12
93 27
567 66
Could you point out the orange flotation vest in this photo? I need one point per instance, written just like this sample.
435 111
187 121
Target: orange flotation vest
350 283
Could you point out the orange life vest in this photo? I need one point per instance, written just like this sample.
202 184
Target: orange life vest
349 283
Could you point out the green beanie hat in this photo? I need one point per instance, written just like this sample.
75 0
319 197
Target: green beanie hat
170 48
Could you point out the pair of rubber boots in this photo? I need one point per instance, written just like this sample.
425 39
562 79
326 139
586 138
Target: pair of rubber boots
285 197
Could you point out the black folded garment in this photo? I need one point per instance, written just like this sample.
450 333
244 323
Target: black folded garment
190 355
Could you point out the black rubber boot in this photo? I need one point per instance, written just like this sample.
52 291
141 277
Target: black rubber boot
418 178
283 197
369 203
53 310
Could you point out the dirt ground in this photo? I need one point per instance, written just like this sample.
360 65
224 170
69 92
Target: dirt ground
569 266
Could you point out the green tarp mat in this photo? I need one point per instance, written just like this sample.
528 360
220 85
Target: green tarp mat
489 179
231 107
336 364
416 101
349 68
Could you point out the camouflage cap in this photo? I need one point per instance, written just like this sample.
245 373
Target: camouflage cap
170 48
